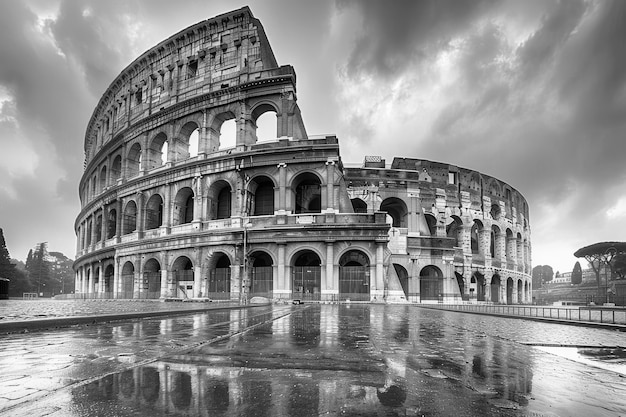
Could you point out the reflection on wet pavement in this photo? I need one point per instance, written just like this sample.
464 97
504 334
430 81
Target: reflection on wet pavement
336 360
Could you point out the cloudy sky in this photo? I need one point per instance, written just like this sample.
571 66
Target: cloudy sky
532 92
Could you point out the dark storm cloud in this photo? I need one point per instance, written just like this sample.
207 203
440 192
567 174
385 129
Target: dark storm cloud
399 34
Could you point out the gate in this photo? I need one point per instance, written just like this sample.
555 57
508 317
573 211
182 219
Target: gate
262 282
306 282
354 283
219 284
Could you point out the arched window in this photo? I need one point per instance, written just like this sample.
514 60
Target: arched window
129 223
262 195
111 223
397 210
354 276
224 203
183 206
128 280
228 134
154 212
157 151
103 178
358 205
264 117
431 285
134 161
454 229
152 277
116 168
308 194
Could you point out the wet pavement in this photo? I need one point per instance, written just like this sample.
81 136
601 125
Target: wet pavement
315 360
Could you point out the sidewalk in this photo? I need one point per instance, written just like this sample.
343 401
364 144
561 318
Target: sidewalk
26 315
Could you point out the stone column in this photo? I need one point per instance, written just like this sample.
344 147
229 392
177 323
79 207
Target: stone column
328 284
282 187
380 278
282 285
164 274
330 188
118 221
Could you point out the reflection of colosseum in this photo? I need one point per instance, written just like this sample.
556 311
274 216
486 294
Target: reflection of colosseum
171 210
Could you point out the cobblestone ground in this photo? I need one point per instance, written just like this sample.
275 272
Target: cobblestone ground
316 360
18 310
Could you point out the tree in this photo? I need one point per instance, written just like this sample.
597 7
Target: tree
39 269
577 274
547 273
602 254
7 268
542 274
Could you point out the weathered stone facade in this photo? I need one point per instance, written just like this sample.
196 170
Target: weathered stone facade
169 212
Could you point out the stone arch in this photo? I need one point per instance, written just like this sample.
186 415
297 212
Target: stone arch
306 188
183 206
509 250
396 208
495 288
109 273
261 194
157 151
116 168
154 212
261 274
189 131
358 205
495 210
152 278
520 292
495 246
103 178
133 160
129 218
431 283
220 200
128 280
354 275
219 139
111 224
183 277
454 229
306 273
403 277
260 112
219 276
509 290
431 221
475 235
477 282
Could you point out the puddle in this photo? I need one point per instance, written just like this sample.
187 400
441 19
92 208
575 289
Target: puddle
610 359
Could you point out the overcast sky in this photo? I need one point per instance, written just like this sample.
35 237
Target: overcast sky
531 92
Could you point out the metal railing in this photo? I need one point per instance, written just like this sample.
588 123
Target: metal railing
605 315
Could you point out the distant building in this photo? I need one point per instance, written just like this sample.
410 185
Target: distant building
169 211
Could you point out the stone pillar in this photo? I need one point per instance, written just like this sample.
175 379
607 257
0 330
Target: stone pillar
139 200
282 187
330 186
197 201
165 274
328 283
511 255
105 224
282 284
380 278
167 210
118 221
138 278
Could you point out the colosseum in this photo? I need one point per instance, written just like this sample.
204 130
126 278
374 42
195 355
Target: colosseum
170 209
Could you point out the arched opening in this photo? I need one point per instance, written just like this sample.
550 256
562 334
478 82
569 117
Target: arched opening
219 278
223 204
188 141
103 178
89 231
183 207
403 277
109 272
111 224
308 193
228 134
181 391
495 288
194 143
262 279
477 228
152 279
306 275
128 280
354 276
182 272
431 221
454 230
266 123
133 161
116 168
509 290
129 223
460 281
509 248
98 227
96 281
261 195
431 285
157 151
358 205
154 212
495 211
520 293
494 244
480 285
396 209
